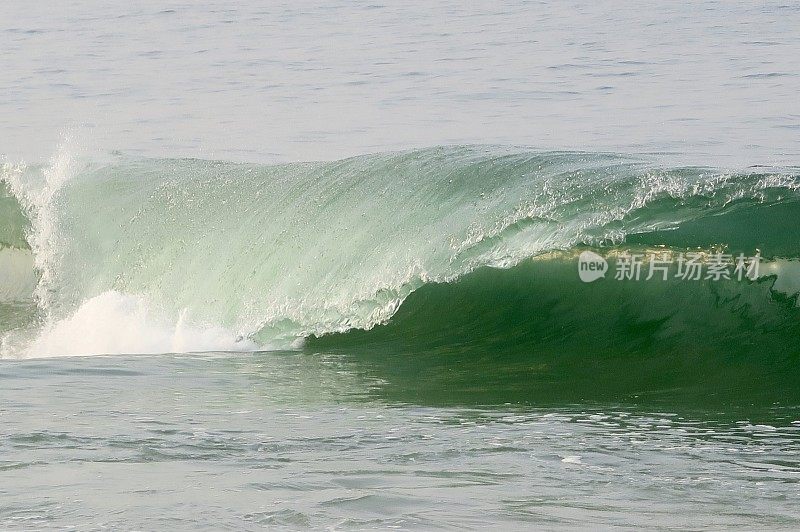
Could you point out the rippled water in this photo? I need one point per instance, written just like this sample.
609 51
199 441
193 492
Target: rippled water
710 82
290 440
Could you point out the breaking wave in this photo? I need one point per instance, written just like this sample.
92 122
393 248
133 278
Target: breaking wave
433 248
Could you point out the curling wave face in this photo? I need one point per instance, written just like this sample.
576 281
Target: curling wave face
189 255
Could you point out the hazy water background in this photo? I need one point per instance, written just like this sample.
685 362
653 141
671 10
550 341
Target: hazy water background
310 439
705 81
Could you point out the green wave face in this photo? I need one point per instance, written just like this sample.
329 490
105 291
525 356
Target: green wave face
536 333
476 247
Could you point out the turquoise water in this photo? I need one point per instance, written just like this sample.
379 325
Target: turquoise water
320 266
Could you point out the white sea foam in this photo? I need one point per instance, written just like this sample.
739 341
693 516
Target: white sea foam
116 323
36 197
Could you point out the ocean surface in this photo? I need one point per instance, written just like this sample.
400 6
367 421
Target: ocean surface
331 266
